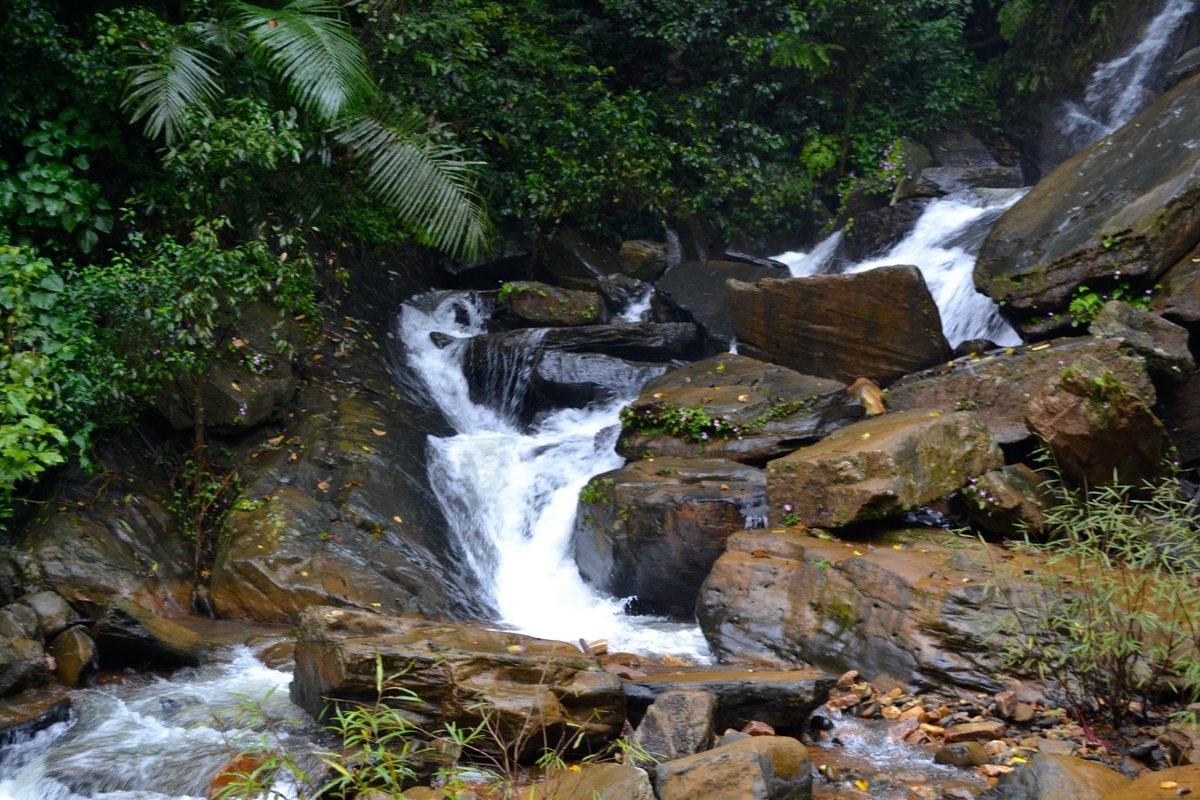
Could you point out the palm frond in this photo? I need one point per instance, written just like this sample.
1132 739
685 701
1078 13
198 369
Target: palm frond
165 89
313 51
430 185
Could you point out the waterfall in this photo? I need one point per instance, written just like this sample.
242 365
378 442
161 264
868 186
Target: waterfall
509 493
942 245
1120 88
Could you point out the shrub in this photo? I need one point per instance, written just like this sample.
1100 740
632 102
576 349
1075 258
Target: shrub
1113 614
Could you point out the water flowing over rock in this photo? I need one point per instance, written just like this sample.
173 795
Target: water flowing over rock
910 606
880 324
129 635
998 385
459 674
651 529
757 768
1125 208
763 411
880 467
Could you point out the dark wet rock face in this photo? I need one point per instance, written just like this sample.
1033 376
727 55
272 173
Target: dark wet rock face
652 529
1104 216
697 290
878 324
533 304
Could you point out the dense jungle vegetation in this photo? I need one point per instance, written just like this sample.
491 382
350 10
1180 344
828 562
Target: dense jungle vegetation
162 164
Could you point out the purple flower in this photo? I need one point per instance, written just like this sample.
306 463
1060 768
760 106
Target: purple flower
787 506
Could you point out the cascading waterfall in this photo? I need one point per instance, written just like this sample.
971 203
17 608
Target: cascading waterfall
1120 88
942 245
510 493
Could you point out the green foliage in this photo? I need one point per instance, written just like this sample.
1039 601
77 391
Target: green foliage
1110 614
54 376
1087 302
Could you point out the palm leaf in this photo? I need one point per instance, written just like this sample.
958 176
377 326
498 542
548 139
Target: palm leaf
428 184
163 90
312 50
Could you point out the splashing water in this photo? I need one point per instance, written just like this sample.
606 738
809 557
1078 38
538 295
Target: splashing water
510 494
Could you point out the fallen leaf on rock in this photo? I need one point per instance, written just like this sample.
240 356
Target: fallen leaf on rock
235 386
759 554
861 784
659 395
323 485
378 432
743 398
397 518
275 439
1037 347
1168 785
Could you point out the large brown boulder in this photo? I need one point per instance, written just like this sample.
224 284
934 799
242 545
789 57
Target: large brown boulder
678 723
1186 780
878 324
541 692
1124 208
652 529
1099 428
915 606
1051 777
23 665
603 781
757 768
998 384
697 290
880 467
732 406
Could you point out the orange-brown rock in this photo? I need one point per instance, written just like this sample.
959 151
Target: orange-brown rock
879 467
536 305
1163 784
753 768
880 324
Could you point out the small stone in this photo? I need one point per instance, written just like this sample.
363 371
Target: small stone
890 712
995 747
974 731
847 679
1024 712
903 728
994 770
1006 704
868 710
842 702
863 690
933 730
1056 747
916 712
962 754
756 728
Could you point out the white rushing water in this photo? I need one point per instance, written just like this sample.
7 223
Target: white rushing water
943 245
510 493
154 738
1120 88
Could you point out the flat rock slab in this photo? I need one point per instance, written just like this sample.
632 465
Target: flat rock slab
759 411
1102 215
879 467
878 324
458 674
757 768
999 384
914 607
653 528
784 699
1185 780
590 782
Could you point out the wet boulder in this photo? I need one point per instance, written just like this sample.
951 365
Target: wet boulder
914 606
783 699
534 305
643 259
1009 501
23 665
875 231
678 723
878 324
19 621
53 613
337 509
880 467
101 537
575 260
697 290
251 380
1177 295
998 384
129 635
735 407
1163 344
1054 777
542 690
603 781
1099 428
639 341
34 710
1149 786
756 768
651 529
1123 209
75 657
